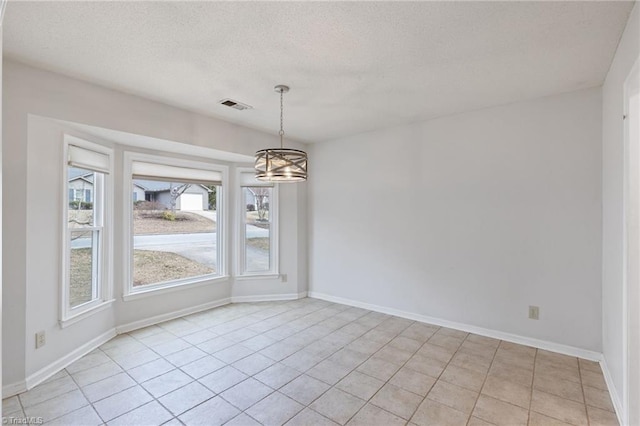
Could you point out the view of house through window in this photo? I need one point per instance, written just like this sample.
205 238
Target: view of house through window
84 223
257 228
175 226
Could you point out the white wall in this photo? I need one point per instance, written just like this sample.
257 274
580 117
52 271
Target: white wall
3 4
612 198
469 218
33 176
13 239
43 217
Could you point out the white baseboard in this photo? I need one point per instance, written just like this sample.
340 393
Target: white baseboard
514 338
125 328
135 325
268 297
615 397
51 369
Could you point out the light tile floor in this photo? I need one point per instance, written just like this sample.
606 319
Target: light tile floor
310 362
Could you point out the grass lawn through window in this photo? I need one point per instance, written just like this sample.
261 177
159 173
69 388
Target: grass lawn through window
160 266
152 266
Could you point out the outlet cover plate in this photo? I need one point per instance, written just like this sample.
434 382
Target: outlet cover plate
40 339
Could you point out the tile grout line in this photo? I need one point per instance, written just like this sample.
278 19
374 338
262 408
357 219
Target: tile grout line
126 371
584 397
22 407
343 346
323 359
404 365
249 376
443 370
281 340
486 376
514 383
85 397
282 319
584 402
78 388
387 381
278 362
123 370
308 406
438 378
194 380
229 365
533 380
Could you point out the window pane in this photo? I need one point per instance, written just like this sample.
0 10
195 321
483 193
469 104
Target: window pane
82 267
174 231
257 229
81 187
257 250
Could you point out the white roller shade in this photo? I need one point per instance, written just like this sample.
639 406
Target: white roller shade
87 159
154 171
249 179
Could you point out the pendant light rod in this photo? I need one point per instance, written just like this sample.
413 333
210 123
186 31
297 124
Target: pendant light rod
282 89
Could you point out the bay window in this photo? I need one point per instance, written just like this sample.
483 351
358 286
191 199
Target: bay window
176 223
86 262
257 226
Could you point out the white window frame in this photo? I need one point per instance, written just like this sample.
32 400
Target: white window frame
131 293
274 204
103 208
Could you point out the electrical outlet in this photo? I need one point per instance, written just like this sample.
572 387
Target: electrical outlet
40 339
283 277
534 312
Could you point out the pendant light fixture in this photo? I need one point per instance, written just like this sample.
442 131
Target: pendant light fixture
281 164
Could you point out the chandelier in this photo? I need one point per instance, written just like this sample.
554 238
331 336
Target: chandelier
281 164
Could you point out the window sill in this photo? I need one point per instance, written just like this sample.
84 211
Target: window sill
170 288
64 323
247 277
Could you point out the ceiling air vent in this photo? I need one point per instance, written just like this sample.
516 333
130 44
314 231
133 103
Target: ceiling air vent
235 104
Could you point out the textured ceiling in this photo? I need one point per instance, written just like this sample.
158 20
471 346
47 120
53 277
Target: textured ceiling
352 66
